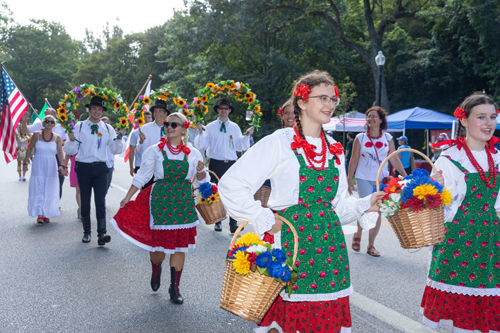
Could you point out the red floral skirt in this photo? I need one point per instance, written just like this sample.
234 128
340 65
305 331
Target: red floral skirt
469 313
132 222
309 317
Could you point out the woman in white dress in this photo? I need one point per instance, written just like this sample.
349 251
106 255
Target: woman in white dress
43 200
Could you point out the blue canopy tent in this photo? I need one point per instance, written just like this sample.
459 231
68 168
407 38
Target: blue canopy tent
418 118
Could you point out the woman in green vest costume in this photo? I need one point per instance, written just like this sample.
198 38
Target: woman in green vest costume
162 219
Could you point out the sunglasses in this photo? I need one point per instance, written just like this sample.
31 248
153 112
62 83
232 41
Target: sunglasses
174 125
50 122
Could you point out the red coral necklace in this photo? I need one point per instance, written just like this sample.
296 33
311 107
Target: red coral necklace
482 174
51 136
311 156
373 137
174 150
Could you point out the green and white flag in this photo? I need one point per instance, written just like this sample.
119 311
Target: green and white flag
40 116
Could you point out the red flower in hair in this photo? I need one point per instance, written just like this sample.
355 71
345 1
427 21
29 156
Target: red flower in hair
336 91
379 144
303 91
368 144
186 124
459 113
280 111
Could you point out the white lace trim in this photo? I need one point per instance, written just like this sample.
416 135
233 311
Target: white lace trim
264 222
275 325
150 248
463 290
316 297
435 325
368 220
174 226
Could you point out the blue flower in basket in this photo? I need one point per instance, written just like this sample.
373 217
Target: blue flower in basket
420 173
206 190
382 186
287 276
279 255
264 260
276 270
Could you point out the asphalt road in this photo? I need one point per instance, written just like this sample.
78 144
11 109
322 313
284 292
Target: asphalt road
52 282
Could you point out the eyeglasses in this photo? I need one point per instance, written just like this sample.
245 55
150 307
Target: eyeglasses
326 100
49 122
174 125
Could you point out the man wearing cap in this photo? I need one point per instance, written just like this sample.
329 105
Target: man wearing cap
58 129
89 140
152 133
404 156
222 139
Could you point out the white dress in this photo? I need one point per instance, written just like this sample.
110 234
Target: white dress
44 181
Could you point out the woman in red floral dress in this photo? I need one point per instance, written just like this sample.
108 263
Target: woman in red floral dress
463 286
162 219
307 173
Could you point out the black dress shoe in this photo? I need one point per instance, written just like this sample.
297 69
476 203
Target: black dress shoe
175 279
155 276
103 239
86 238
233 227
218 226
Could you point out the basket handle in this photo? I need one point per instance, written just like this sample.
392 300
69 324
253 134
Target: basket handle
295 235
213 173
395 153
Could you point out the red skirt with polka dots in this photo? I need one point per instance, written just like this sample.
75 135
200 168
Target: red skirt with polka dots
309 317
132 222
466 312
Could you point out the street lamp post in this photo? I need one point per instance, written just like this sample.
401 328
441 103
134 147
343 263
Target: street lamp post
380 61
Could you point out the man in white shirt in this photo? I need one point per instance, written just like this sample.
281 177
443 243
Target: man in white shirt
89 140
110 163
150 134
134 157
58 129
222 139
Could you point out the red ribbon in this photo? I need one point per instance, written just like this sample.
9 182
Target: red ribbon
298 142
162 143
183 148
337 150
461 141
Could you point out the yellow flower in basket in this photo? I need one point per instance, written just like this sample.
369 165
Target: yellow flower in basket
249 239
446 197
240 263
422 190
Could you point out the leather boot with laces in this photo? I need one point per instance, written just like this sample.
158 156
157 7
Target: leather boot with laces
155 276
175 278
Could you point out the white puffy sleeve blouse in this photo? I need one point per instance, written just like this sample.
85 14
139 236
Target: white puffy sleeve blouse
272 158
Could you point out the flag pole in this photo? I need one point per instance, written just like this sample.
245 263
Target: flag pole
47 101
32 108
140 91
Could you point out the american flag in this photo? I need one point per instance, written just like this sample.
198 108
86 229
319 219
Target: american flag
14 105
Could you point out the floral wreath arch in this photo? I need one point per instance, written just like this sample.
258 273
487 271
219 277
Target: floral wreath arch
69 104
236 90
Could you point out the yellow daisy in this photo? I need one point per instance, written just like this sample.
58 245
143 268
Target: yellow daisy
240 263
210 85
249 239
257 109
123 121
63 117
204 98
446 197
146 100
422 190
140 121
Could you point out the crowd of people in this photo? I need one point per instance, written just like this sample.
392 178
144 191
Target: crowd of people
313 181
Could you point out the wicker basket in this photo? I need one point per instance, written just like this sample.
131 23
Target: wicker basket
211 213
416 229
250 296
263 194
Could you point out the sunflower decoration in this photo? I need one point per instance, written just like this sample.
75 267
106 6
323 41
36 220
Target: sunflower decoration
140 121
146 100
68 105
238 91
123 121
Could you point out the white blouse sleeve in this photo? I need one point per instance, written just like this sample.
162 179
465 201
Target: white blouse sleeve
242 142
352 209
71 147
201 141
115 146
454 181
193 159
239 184
147 169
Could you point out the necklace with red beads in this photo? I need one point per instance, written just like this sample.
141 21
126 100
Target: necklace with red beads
482 174
51 136
316 158
373 137
174 150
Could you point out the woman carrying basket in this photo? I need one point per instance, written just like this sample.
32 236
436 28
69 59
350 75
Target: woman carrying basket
307 173
162 218
463 286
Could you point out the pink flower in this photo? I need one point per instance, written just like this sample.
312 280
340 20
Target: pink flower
301 228
332 283
322 274
450 241
309 238
461 284
297 263
445 261
303 275
335 272
485 207
483 265
332 248
484 244
305 205
288 254
320 178
344 280
311 262
490 277
455 221
325 236
328 225
314 285
471 222
310 188
475 255
300 201
481 286
461 233
478 196
456 253
346 267
329 260
497 244
316 227
437 271
319 200
340 257
308 215
302 251
472 277
295 287
321 214
319 250
342 245
468 243
328 189
336 178
453 274
485 223
474 188
464 264
302 178
494 195
295 217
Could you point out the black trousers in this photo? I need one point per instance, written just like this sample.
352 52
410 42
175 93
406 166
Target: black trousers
93 176
110 178
61 177
220 168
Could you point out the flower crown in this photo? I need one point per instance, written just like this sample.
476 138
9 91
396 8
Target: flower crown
460 113
280 111
303 91
186 124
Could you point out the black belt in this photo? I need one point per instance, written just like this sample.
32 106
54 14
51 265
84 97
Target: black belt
223 161
92 163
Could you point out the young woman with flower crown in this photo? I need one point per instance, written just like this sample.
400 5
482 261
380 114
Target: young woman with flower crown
162 219
308 180
286 114
463 286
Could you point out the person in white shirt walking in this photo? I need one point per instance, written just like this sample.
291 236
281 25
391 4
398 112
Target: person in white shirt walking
89 140
135 157
152 133
110 163
222 139
58 129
